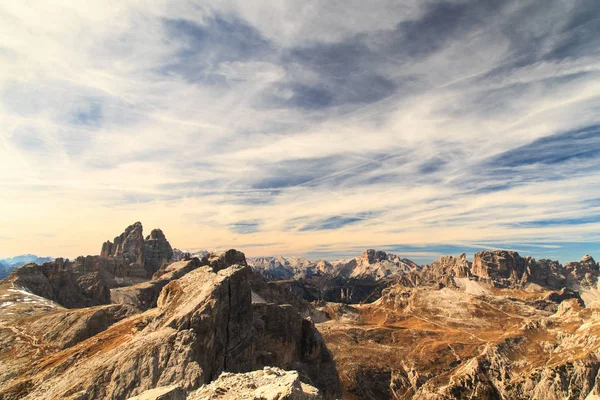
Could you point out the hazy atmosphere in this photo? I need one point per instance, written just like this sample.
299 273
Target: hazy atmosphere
315 128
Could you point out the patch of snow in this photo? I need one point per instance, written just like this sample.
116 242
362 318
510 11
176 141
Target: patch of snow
23 292
7 304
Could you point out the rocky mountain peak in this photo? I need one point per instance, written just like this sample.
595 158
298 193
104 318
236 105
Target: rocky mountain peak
156 251
498 265
446 268
589 261
150 253
128 244
372 256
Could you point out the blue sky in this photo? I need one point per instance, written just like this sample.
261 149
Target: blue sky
315 127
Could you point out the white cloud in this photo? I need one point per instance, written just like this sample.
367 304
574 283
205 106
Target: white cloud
108 116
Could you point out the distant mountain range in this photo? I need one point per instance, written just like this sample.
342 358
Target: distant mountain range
350 280
7 265
179 255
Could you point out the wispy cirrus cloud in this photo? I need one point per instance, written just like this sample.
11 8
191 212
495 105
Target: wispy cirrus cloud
436 125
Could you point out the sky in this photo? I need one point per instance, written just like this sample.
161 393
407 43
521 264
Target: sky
316 128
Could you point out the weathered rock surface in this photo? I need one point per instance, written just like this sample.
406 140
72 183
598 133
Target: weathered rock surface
81 283
266 384
585 272
145 295
224 259
128 245
156 251
509 269
505 267
131 248
446 269
66 328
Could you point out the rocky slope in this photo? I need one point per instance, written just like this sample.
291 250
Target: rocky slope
268 383
431 343
192 321
500 328
205 323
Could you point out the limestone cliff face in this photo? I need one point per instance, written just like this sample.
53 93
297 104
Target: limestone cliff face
445 270
81 283
509 269
130 247
145 295
585 272
156 251
499 266
128 244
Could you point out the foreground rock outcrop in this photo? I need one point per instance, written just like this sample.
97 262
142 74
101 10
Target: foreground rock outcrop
268 384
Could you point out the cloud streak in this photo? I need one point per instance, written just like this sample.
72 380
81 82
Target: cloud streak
432 125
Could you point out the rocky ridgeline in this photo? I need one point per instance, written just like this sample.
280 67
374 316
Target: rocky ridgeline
182 328
362 279
351 281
